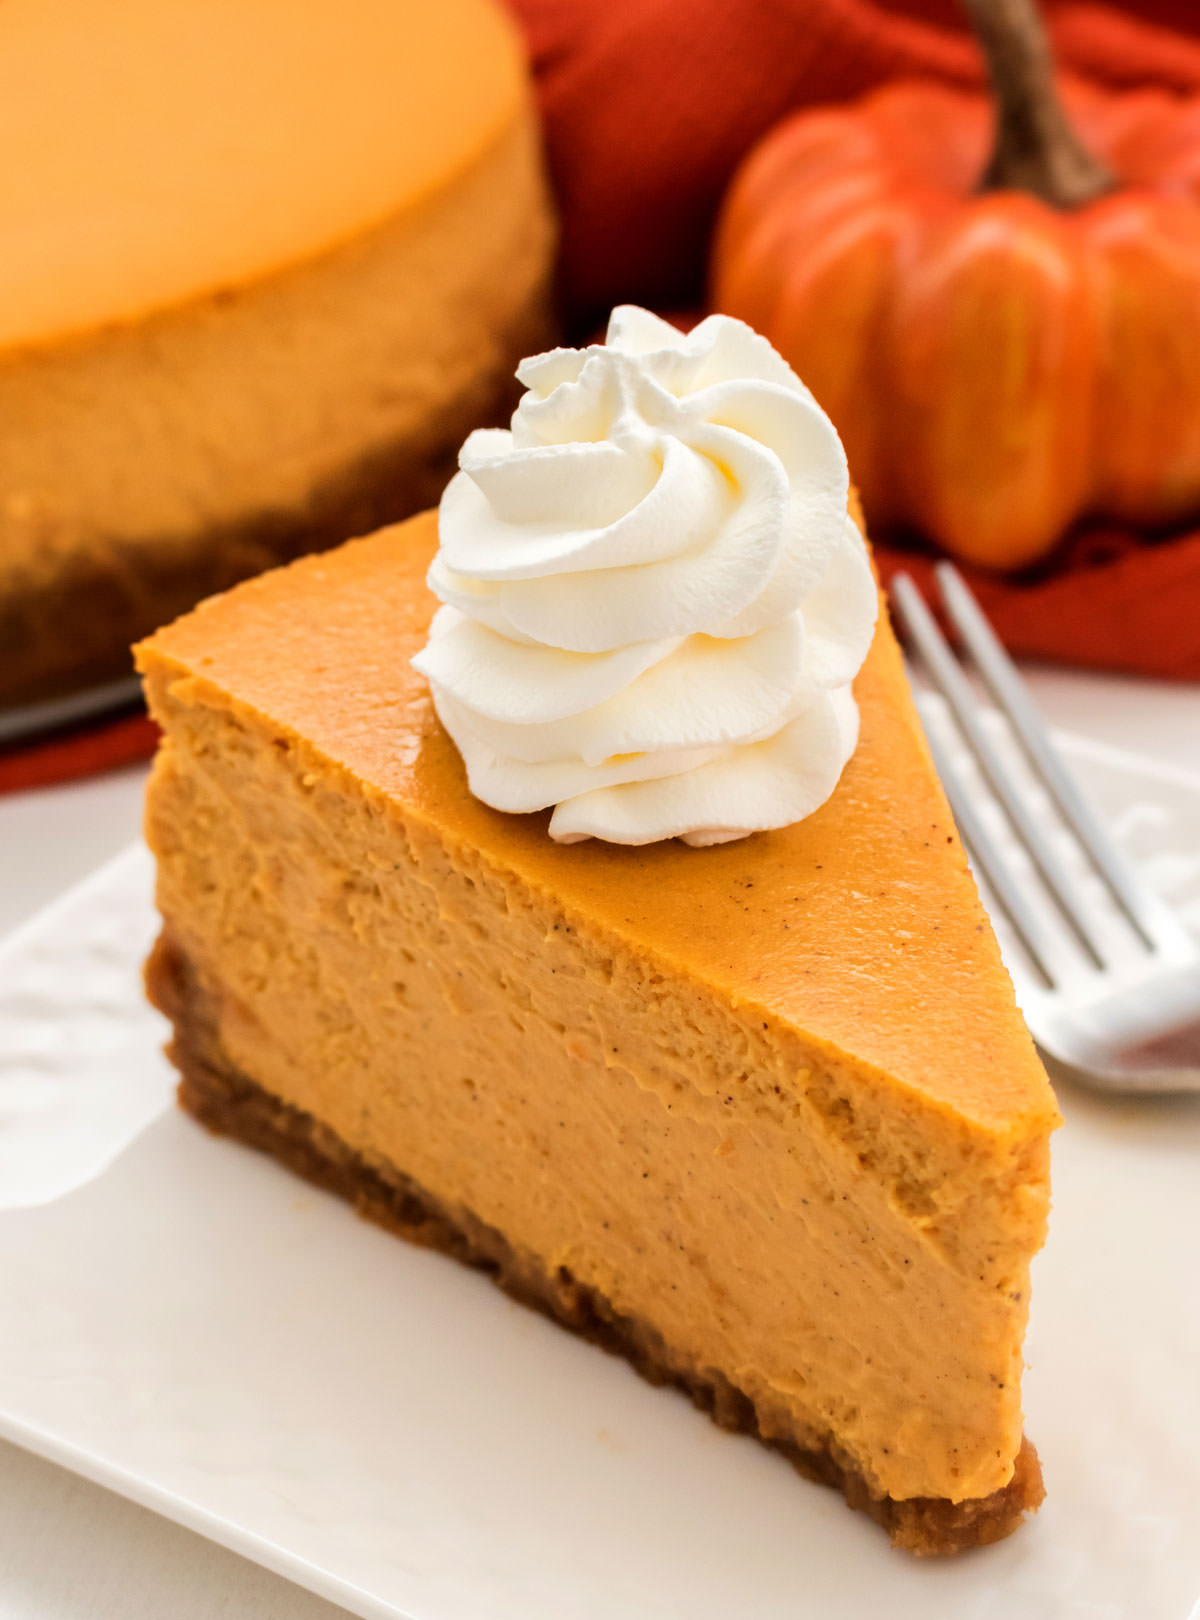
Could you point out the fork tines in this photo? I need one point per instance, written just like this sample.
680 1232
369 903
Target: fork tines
1156 929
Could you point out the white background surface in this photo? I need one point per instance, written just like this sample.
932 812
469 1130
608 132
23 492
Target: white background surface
69 1549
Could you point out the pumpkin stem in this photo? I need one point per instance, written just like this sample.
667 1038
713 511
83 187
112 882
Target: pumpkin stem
1036 149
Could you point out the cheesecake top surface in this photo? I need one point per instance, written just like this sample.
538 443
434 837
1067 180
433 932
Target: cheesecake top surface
163 150
859 926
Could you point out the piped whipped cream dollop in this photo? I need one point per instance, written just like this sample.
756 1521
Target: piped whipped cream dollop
654 600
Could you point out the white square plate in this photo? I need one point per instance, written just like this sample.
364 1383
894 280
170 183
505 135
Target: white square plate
183 1321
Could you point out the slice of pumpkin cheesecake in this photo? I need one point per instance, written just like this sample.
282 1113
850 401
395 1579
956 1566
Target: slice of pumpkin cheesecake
761 1114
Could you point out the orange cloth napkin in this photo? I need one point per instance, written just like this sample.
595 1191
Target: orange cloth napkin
85 751
650 105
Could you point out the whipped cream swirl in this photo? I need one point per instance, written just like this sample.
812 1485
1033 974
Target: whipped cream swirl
655 601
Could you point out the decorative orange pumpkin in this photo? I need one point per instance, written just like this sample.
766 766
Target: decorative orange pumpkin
1001 355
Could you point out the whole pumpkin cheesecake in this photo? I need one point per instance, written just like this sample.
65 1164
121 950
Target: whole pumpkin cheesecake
607 928
264 265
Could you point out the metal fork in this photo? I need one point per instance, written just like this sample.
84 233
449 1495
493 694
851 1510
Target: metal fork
1106 975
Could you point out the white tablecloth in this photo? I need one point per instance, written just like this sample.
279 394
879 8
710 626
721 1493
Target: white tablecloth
71 1551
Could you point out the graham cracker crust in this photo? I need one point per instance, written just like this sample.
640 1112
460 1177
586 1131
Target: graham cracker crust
229 1103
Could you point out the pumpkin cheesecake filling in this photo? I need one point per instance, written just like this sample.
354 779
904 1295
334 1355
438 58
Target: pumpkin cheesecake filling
767 1107
663 1168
